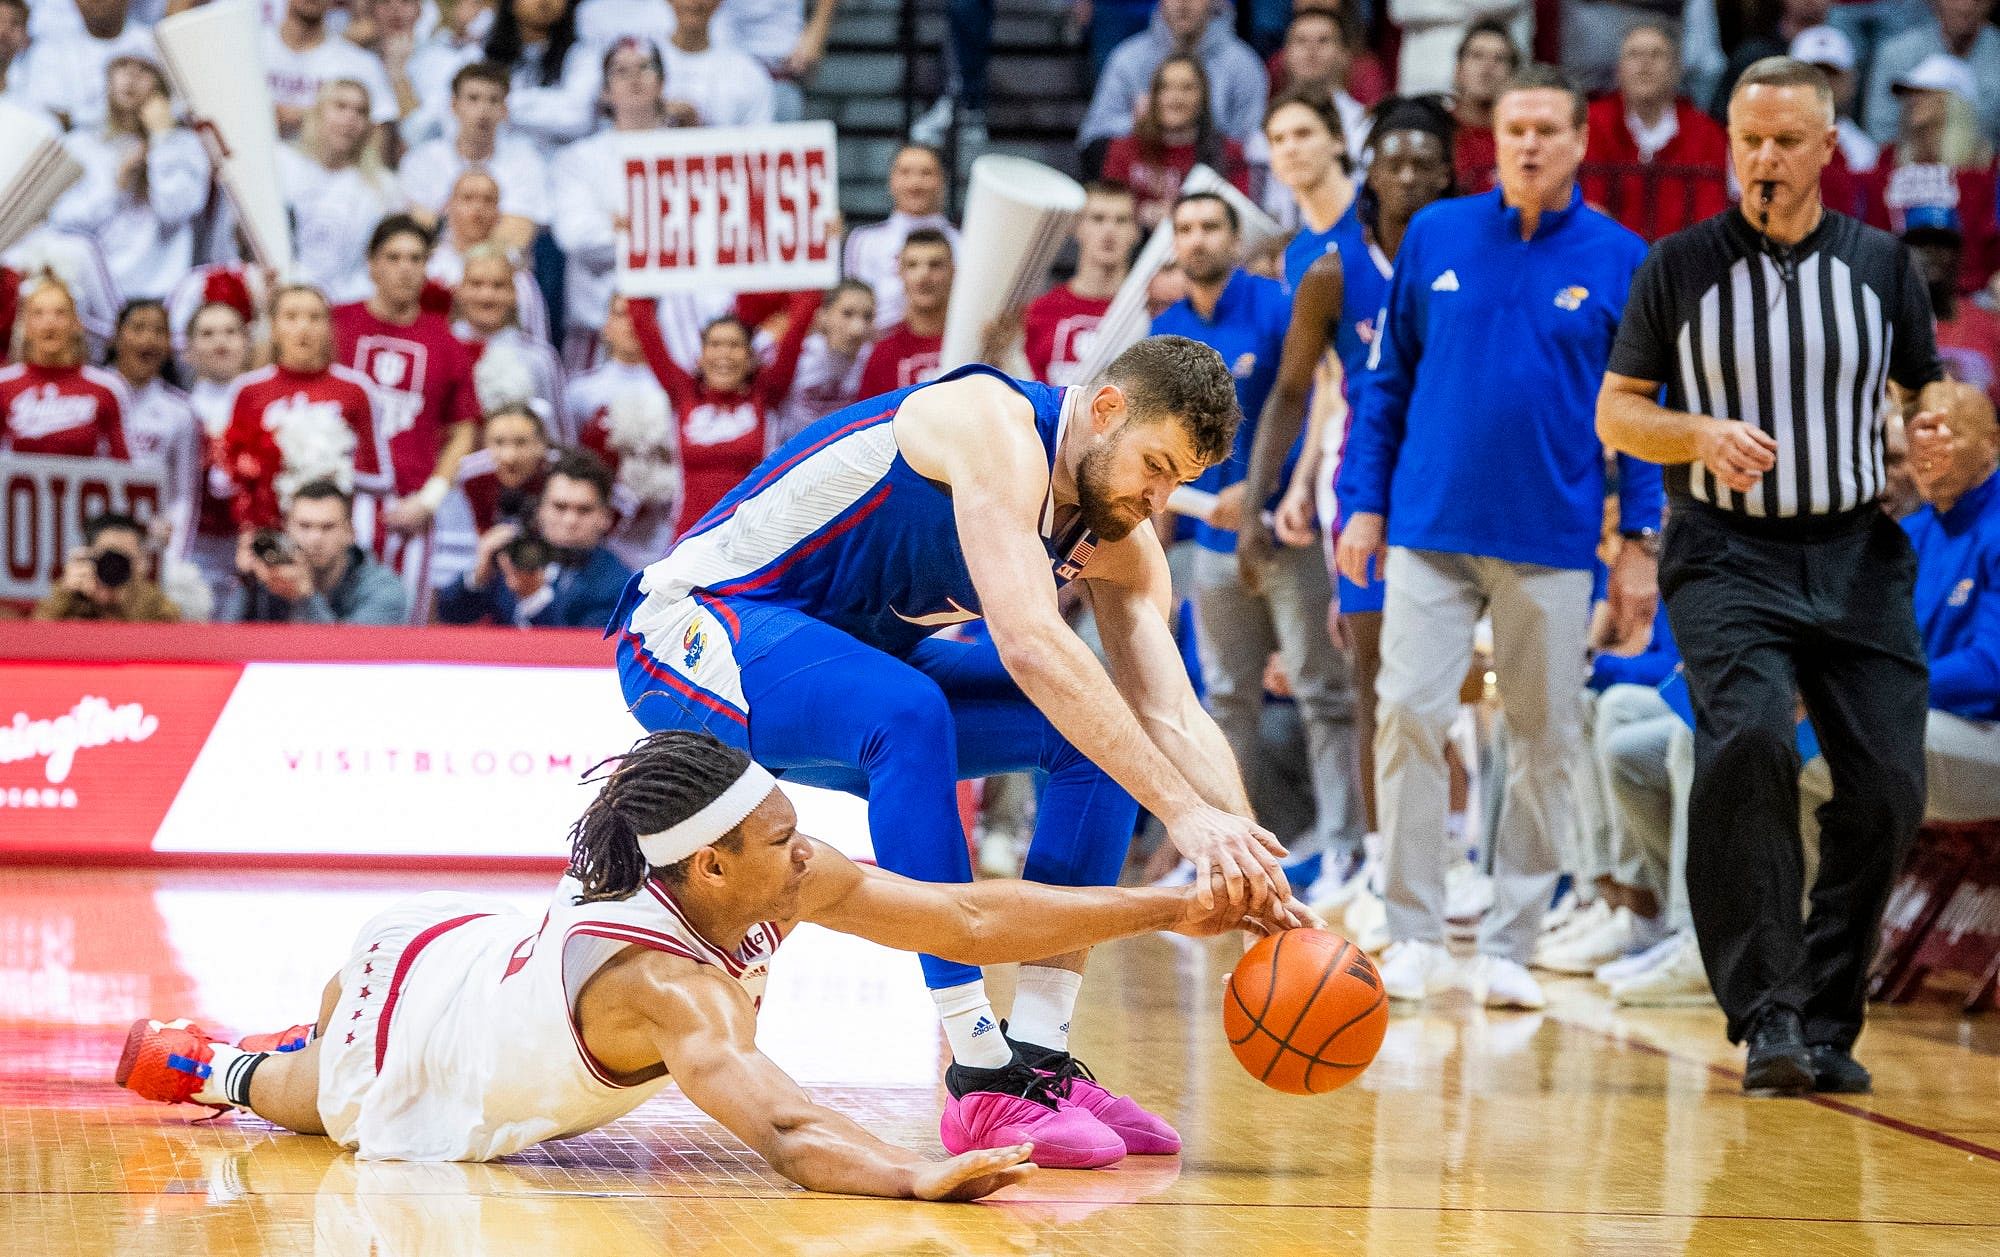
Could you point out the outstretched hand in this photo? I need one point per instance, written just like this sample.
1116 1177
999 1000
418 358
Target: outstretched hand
1241 852
974 1174
1199 920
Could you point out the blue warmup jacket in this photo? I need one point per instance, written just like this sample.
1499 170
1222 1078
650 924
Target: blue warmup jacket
1248 330
1475 432
1958 600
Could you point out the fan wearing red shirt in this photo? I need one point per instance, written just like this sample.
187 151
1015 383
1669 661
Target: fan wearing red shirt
430 414
1487 58
502 478
724 404
1653 161
908 353
302 385
52 402
1174 133
1916 173
1058 326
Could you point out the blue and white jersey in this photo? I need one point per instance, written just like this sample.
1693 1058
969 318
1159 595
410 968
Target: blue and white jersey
1364 271
836 525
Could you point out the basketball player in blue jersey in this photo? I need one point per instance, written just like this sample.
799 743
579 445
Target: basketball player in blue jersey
1340 283
797 620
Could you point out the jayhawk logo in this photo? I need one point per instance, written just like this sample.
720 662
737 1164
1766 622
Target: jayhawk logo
1245 364
1571 298
693 643
1961 593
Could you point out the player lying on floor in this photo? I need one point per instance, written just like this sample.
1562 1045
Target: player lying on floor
457 1030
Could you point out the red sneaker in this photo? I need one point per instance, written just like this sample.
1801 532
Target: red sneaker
289 1040
166 1061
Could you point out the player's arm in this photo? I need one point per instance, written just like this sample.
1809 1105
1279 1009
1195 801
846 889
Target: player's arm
978 440
1314 307
1131 593
1002 921
704 1029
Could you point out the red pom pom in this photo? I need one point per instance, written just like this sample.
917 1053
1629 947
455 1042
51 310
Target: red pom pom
227 287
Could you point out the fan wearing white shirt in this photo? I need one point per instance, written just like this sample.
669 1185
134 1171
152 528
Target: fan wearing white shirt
727 88
301 56
389 30
585 185
65 74
488 319
479 106
602 23
160 426
470 219
459 39
337 190
144 180
555 76
874 253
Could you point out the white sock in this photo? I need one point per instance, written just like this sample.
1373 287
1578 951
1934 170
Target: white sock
1044 1000
214 1088
970 1026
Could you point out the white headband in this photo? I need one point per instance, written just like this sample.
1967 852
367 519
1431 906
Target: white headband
672 845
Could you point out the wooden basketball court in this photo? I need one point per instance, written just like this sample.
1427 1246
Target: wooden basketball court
1585 1129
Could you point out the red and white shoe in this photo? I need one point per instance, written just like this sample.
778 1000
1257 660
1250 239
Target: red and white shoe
166 1061
287 1040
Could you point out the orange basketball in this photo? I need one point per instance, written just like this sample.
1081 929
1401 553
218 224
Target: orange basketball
1305 1011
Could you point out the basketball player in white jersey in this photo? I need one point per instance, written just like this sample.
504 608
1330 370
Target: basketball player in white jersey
686 872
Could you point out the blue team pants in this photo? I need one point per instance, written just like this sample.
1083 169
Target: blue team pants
821 708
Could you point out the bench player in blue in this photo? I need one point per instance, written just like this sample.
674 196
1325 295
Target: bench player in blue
797 621
1340 284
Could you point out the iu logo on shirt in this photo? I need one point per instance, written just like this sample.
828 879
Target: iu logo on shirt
916 368
1073 339
398 367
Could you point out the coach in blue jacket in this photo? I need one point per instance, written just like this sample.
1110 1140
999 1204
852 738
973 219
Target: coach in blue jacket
570 580
1475 464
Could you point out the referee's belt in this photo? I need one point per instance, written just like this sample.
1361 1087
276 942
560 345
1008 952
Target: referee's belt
1824 527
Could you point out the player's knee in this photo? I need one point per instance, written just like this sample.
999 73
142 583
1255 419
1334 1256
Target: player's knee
913 715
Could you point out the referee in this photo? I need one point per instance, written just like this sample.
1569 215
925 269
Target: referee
1774 327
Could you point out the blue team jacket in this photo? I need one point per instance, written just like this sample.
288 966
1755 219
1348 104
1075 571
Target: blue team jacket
1475 432
1958 600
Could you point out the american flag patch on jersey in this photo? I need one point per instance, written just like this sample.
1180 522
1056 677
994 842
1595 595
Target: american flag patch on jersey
1079 557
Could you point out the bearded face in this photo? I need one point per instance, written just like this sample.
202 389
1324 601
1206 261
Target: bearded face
1110 497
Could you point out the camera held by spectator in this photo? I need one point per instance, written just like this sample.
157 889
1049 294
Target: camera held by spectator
109 577
545 568
311 571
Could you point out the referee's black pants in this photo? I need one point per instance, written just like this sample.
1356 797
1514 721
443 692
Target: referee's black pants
1763 620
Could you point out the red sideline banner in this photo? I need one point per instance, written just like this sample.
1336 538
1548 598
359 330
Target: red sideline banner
45 499
372 750
740 209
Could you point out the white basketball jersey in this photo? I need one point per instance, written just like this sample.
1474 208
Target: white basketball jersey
483 1056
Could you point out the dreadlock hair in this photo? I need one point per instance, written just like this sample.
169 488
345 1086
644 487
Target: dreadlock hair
663 780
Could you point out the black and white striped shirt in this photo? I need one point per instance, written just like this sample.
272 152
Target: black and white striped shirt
1799 348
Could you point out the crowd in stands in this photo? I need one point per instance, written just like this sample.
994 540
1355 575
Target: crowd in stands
445 413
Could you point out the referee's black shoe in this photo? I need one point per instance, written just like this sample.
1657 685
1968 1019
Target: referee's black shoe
1778 1064
1835 1070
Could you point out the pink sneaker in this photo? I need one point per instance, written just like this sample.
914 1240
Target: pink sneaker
1144 1134
1065 1136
